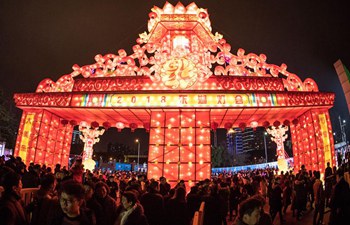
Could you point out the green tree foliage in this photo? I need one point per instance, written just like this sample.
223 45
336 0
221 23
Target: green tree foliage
220 157
8 121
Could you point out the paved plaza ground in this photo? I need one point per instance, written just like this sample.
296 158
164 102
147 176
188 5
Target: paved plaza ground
290 220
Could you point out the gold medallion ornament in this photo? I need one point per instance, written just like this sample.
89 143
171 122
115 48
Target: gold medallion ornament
179 73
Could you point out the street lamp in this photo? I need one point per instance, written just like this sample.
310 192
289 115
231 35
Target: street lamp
342 129
265 133
138 153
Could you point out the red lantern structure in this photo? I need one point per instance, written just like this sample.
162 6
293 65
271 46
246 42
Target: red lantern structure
186 77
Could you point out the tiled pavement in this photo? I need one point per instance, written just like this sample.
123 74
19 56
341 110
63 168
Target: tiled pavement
290 220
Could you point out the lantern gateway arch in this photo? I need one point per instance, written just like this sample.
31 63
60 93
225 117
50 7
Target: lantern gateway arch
181 81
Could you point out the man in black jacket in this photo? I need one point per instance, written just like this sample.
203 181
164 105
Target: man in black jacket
11 210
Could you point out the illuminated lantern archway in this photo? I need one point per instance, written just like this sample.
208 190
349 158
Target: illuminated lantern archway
181 81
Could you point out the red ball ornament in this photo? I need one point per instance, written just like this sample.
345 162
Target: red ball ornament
286 123
295 122
64 122
73 122
242 126
203 15
147 126
266 124
95 124
228 125
152 15
106 125
214 126
133 126
276 123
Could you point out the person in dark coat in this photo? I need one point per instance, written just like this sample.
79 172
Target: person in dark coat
108 204
176 210
193 200
340 201
164 187
213 207
130 212
45 202
11 209
265 218
71 200
275 201
153 204
249 212
91 203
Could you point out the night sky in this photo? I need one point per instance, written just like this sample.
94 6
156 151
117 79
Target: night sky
43 39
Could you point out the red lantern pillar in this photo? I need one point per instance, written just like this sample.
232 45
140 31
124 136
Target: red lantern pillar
43 138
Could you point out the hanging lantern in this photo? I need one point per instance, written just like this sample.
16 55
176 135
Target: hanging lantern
266 124
64 122
83 124
286 123
73 122
106 125
119 126
146 126
95 124
214 126
276 123
133 126
228 125
242 126
254 125
295 122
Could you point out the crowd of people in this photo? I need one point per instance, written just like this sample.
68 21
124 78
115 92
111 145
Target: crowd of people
77 196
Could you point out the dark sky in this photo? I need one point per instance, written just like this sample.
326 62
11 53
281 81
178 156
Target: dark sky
43 39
